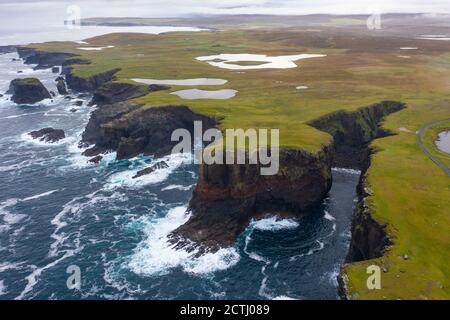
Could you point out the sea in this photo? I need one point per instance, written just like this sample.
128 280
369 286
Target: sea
59 213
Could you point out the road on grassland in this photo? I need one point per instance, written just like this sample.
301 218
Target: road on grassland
420 134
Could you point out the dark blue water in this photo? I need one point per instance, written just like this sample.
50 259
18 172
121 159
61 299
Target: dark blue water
57 211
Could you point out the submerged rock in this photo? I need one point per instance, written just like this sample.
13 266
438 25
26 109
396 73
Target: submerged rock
61 86
55 69
48 135
95 160
28 91
78 103
156 166
73 110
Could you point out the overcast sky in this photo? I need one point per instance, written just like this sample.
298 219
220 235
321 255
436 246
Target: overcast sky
25 16
55 10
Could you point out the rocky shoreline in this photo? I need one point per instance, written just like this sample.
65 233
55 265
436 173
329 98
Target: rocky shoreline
227 197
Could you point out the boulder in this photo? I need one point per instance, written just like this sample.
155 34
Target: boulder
73 110
48 135
55 69
28 91
78 103
156 166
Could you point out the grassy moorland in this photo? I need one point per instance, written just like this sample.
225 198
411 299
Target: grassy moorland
410 194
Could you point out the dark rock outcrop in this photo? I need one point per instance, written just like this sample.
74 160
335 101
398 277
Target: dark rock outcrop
95 160
353 131
113 92
56 69
48 135
228 197
157 87
7 49
153 168
43 60
131 130
89 84
28 91
78 103
61 86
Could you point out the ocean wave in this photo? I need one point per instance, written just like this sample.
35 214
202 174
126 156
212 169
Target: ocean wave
346 170
125 178
8 217
3 288
44 194
328 216
320 246
178 187
157 256
274 224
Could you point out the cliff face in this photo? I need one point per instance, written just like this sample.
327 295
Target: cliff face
113 92
89 84
228 197
44 60
28 91
353 131
130 130
352 134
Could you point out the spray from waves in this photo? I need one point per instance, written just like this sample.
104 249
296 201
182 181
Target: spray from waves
345 170
331 276
125 178
156 256
21 115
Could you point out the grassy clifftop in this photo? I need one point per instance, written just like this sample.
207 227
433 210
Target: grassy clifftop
410 194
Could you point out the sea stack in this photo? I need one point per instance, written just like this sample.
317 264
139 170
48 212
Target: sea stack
28 91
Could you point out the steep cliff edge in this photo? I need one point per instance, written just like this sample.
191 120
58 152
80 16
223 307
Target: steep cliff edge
352 133
131 130
228 197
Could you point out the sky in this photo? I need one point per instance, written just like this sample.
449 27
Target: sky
31 15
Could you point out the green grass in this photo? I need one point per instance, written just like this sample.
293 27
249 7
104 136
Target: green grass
411 194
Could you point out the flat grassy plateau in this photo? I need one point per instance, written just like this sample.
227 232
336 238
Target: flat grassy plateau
410 194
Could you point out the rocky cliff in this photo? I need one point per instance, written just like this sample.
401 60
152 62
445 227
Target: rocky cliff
43 60
89 84
131 130
352 133
113 92
228 197
28 91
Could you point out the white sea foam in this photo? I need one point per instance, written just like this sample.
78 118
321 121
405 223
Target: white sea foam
283 298
156 256
328 216
274 224
345 170
125 178
8 217
40 195
231 61
3 288
178 187
319 247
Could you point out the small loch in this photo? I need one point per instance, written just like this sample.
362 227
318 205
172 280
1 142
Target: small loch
184 82
443 141
194 94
